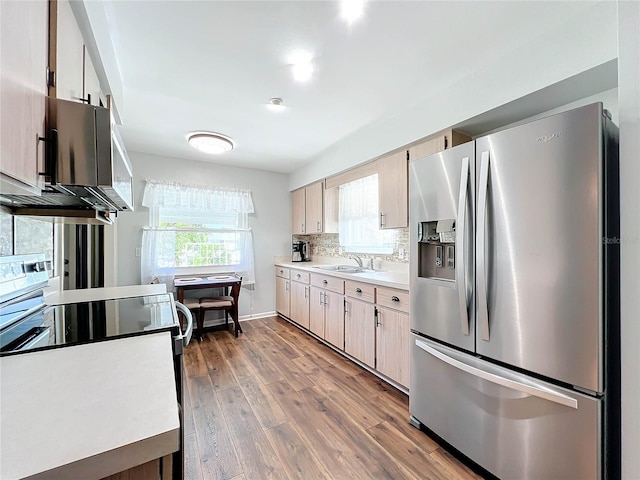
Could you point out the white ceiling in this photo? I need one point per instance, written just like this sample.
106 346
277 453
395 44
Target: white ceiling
214 65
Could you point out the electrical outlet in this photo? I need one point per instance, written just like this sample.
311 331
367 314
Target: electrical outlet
401 253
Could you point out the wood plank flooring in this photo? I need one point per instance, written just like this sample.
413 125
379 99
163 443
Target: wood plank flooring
275 403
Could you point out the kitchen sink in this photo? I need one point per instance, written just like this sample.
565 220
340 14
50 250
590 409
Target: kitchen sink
341 268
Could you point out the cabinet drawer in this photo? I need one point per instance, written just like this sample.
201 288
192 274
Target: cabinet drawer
362 291
332 284
300 276
393 298
282 272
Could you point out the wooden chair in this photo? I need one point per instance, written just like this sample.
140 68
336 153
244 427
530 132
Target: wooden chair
193 304
228 303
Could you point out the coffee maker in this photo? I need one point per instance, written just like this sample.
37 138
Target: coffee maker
299 252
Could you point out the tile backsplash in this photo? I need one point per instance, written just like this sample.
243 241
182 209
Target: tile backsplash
328 245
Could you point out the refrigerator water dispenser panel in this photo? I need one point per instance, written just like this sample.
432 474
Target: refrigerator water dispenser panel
436 249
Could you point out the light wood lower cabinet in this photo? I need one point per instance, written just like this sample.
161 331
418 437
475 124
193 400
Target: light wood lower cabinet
300 297
316 311
360 331
326 316
283 302
392 344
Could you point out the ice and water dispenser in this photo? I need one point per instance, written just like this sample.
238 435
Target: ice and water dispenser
437 249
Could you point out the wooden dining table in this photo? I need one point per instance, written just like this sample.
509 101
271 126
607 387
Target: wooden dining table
225 281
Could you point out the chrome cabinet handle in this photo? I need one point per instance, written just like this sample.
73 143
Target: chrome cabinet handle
286 286
461 277
481 261
318 226
395 299
381 219
358 290
346 310
534 389
378 322
306 292
321 302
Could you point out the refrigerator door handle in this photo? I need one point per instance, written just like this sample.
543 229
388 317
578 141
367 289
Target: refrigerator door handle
540 391
483 311
461 280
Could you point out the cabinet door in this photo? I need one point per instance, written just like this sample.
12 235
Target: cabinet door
23 89
392 345
360 331
91 82
69 57
316 311
300 304
334 319
428 147
298 220
282 296
393 190
313 208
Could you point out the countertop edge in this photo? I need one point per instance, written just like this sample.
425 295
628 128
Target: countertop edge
368 277
118 459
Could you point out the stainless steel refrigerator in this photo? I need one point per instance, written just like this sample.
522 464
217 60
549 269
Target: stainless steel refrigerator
514 297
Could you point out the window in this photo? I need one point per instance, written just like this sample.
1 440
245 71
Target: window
196 230
359 231
22 234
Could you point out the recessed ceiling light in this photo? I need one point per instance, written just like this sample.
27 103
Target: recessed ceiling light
301 63
351 10
276 104
209 142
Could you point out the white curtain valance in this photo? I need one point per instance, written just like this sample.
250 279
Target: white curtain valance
196 197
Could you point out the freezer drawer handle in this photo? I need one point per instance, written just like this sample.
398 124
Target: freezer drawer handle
461 268
483 311
537 391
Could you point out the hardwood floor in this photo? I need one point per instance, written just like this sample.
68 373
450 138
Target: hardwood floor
276 403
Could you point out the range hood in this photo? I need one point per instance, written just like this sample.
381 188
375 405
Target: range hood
87 171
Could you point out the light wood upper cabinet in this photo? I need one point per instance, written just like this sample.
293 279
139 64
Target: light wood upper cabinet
310 213
313 207
298 209
91 84
438 143
23 88
75 73
66 56
393 190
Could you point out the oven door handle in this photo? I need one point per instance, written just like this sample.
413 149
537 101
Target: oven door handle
186 337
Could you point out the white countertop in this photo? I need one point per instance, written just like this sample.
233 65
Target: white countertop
106 293
88 411
386 278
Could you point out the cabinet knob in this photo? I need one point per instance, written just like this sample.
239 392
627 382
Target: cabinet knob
395 299
298 275
324 282
358 290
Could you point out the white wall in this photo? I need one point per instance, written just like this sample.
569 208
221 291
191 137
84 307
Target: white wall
629 105
271 222
583 44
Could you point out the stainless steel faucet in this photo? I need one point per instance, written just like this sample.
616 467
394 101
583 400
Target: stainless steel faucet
357 259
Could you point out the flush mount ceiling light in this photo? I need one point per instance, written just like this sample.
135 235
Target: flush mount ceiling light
300 62
210 142
276 104
351 10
